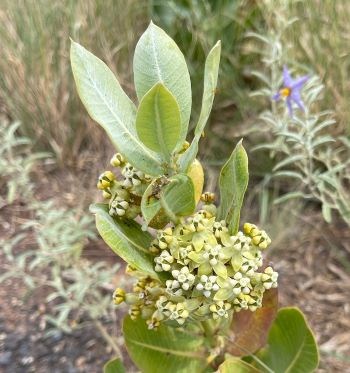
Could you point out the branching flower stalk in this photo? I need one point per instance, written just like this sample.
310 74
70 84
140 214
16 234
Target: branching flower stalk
318 162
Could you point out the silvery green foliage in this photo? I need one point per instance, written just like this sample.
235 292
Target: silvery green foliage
16 163
78 287
306 152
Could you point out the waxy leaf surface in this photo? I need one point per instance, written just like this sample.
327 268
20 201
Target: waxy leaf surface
126 239
158 59
166 349
291 345
108 105
233 183
211 72
158 121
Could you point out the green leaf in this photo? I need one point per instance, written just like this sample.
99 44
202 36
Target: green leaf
250 329
158 121
150 203
235 365
166 349
174 198
158 59
178 198
291 345
107 104
126 239
114 366
233 183
211 71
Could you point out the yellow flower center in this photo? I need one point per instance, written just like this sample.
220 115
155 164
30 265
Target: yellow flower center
285 92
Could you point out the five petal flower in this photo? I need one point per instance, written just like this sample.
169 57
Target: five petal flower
291 90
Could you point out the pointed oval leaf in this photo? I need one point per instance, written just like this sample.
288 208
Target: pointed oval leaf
126 239
114 366
158 59
108 105
250 329
166 349
158 121
233 183
291 345
211 72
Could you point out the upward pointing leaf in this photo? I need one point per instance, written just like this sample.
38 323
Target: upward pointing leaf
211 71
158 59
108 105
158 121
233 183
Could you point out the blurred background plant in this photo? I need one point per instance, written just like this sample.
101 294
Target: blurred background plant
36 83
54 238
16 163
302 146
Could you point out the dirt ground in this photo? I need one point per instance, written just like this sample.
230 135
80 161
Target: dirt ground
314 266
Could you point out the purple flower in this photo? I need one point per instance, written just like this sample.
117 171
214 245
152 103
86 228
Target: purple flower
291 90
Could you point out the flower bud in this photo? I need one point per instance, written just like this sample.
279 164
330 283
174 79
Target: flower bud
105 180
117 160
118 296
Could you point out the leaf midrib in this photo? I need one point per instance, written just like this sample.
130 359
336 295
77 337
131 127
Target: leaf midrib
112 228
186 354
116 117
160 134
296 357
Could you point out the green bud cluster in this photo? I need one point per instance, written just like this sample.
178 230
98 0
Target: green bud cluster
211 273
124 194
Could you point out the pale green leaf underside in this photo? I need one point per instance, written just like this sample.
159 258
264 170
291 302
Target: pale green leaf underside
291 344
107 104
165 350
126 239
158 59
211 72
158 121
233 183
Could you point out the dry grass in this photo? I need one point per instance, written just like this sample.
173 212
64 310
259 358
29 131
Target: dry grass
36 83
319 39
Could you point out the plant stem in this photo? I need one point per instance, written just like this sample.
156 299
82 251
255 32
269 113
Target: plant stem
110 341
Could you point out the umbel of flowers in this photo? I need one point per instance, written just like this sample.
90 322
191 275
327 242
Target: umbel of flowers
211 273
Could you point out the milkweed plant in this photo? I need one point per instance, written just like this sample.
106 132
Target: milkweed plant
204 299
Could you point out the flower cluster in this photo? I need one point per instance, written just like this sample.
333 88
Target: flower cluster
125 194
210 272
